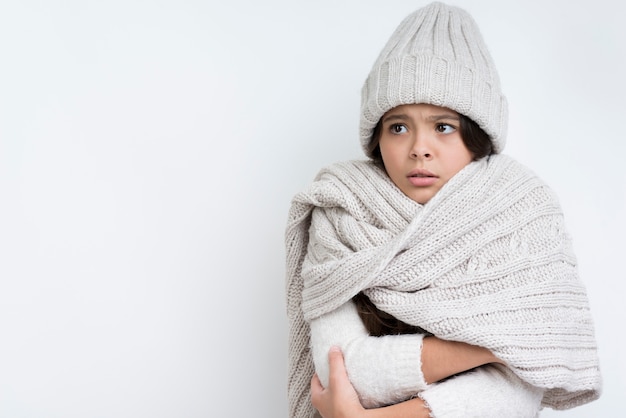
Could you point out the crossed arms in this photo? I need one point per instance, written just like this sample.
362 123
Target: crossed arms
403 375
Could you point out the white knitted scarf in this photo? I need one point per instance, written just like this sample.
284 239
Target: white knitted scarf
486 261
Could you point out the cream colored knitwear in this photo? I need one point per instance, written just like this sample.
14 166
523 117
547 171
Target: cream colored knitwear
387 370
437 56
486 261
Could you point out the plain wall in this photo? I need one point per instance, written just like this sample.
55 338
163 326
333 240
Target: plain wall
148 154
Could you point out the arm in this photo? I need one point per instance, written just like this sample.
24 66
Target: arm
390 369
487 392
491 391
441 358
383 370
339 399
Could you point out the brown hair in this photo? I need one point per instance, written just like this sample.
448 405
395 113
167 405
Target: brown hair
475 139
378 322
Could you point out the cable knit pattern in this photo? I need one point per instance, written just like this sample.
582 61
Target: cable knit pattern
486 261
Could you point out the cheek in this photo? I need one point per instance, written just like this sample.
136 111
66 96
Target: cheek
462 158
390 149
390 157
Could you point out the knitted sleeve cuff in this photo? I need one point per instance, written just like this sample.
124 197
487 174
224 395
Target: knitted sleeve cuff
383 370
487 392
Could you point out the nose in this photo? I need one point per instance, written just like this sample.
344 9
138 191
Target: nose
421 148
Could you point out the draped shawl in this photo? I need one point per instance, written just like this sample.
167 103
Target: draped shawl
486 261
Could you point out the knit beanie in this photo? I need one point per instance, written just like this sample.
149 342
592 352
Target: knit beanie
436 56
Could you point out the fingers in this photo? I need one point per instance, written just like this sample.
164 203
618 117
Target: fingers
337 372
316 384
317 392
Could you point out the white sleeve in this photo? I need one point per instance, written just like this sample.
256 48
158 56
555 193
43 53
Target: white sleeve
490 391
383 370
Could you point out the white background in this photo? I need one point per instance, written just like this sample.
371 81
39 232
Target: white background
148 154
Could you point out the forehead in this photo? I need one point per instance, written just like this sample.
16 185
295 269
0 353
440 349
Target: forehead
420 110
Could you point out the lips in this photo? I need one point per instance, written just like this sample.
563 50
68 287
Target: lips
422 178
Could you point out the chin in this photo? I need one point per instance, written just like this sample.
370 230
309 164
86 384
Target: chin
421 199
419 195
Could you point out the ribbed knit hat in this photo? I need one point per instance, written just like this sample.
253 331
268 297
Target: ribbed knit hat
436 56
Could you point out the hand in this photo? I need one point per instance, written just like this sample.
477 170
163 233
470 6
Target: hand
339 399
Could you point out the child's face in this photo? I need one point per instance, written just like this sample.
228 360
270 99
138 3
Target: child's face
422 148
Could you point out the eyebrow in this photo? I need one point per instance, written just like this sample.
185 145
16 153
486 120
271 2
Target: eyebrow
442 116
398 116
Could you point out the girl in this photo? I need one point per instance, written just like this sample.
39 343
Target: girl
437 256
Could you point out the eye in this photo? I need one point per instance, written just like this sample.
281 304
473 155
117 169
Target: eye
398 129
444 128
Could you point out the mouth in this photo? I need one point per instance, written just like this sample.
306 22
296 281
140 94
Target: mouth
420 172
422 178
